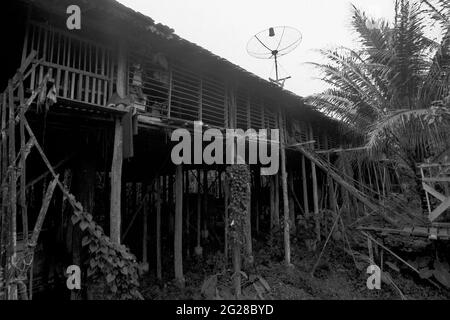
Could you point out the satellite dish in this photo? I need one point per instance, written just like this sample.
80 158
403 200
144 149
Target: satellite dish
273 43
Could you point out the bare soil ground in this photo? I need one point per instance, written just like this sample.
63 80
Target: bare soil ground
335 278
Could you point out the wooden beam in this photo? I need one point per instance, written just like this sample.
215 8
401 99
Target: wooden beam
178 232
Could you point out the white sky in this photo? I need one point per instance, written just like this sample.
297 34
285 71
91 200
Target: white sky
224 28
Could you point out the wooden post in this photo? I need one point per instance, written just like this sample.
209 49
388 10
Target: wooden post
305 188
117 159
272 202
188 216
178 232
158 227
248 229
287 234
226 192
315 194
116 183
291 202
145 232
258 202
198 248
205 204
276 200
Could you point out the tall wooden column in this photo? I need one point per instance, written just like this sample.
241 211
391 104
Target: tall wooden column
291 202
287 234
145 229
305 187
315 192
178 232
158 193
117 159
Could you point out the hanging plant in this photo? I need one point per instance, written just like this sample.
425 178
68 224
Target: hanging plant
239 177
110 263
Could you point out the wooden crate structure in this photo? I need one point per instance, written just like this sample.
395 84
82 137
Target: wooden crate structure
436 183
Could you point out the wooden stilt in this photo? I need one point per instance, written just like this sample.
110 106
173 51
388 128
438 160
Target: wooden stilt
292 217
116 167
116 183
315 196
145 233
178 236
248 231
305 188
188 216
158 227
277 200
287 234
226 193
206 216
198 248
272 203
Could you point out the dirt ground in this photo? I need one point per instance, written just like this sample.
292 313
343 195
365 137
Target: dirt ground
336 278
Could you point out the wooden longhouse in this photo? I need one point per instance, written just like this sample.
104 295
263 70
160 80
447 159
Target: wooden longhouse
116 89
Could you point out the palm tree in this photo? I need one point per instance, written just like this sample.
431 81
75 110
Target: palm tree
395 90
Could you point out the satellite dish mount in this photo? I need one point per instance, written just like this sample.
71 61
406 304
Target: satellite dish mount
273 43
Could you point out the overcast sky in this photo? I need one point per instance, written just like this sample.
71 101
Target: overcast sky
225 26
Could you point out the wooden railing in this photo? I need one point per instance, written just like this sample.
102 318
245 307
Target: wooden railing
82 70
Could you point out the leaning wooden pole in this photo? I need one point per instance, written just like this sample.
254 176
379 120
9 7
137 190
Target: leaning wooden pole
178 232
23 154
287 234
12 189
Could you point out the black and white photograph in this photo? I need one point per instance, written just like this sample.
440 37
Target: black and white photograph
224 156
